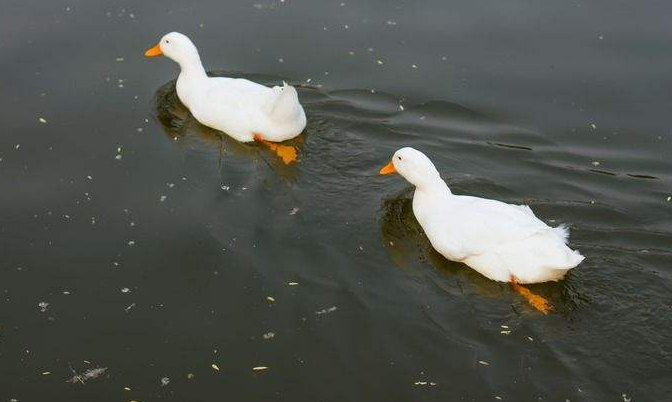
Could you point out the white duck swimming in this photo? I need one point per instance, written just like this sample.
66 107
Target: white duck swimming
243 109
503 242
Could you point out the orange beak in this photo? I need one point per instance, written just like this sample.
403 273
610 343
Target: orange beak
153 52
388 169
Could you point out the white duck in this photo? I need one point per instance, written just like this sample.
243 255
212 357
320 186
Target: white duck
503 242
243 109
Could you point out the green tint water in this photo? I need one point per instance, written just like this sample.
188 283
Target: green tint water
161 247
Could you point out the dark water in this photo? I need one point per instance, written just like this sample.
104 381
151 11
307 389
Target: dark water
163 248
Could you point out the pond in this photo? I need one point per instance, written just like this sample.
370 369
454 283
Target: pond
146 257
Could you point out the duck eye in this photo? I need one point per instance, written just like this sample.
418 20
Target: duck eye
399 157
167 41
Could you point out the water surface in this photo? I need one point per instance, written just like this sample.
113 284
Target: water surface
159 247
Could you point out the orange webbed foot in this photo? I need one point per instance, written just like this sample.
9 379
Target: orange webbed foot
536 301
287 153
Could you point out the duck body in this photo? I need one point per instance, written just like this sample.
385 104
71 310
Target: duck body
499 240
240 108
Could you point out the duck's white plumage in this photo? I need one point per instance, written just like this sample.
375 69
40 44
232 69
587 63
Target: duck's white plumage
241 108
496 239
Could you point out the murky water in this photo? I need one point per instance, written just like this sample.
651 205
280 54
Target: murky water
134 239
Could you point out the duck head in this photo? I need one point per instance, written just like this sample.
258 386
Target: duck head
413 166
177 47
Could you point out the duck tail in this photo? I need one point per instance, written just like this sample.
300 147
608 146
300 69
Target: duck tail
286 106
562 231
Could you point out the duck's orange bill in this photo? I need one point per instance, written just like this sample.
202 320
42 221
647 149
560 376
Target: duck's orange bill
388 169
153 52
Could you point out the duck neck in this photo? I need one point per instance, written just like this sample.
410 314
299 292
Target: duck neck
435 187
192 68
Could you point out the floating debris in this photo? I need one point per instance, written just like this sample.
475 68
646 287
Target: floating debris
294 211
42 120
269 335
505 332
88 375
131 243
270 298
125 290
215 367
165 381
326 310
593 126
46 372
293 283
43 306
190 376
163 198
483 362
259 368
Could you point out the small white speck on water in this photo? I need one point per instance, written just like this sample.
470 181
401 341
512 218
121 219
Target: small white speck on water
596 163
499 398
600 37
43 306
444 58
270 298
293 283
346 26
309 79
401 107
529 338
269 335
66 292
326 310
165 381
131 243
89 177
669 198
593 126
120 59
171 185
225 188
259 368
281 60
414 66
17 146
391 22
214 367
42 120
380 62
118 157
483 362
125 290
163 198
294 211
